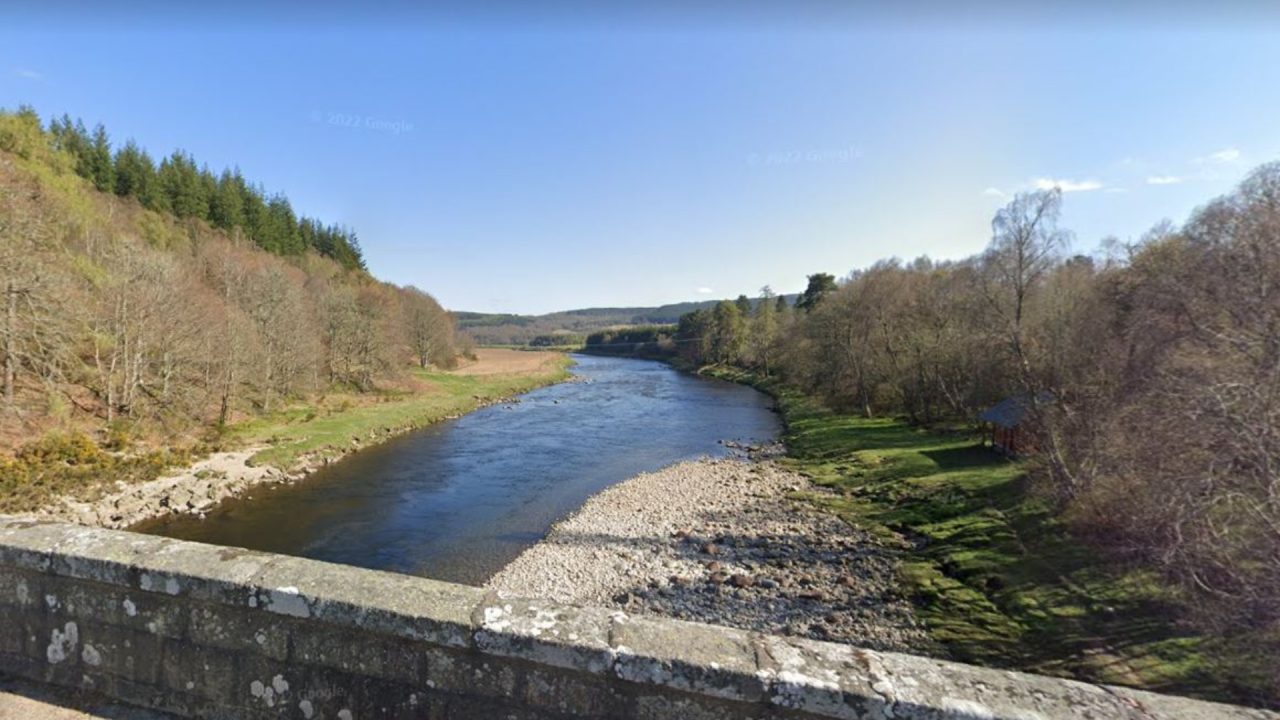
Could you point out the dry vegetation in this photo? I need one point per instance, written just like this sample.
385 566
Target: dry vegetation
1151 373
502 361
130 337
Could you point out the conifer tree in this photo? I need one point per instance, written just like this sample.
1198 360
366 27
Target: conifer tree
98 163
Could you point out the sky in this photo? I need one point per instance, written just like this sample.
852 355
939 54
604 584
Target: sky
573 155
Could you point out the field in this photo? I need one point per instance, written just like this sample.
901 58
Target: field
997 576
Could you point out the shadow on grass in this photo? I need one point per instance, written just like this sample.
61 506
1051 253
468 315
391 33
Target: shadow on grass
996 575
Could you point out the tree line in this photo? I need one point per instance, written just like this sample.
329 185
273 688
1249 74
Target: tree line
116 313
638 340
1150 370
186 189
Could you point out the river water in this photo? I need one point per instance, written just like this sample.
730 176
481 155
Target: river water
459 500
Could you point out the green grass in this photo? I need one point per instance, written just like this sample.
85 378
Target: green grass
992 569
330 426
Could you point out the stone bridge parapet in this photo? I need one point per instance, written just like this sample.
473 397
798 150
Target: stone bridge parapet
213 632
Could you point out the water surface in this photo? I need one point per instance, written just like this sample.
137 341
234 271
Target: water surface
458 500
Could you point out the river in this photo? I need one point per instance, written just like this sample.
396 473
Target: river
460 499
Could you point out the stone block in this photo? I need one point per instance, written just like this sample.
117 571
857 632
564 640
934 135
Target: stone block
19 630
473 708
238 629
137 656
201 671
206 573
672 706
382 700
707 659
29 545
104 556
469 673
291 690
574 694
1170 706
370 601
547 633
20 588
114 605
21 665
367 655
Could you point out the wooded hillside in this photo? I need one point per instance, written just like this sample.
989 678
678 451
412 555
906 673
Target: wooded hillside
140 300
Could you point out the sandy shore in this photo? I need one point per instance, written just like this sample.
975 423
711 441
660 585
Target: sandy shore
718 541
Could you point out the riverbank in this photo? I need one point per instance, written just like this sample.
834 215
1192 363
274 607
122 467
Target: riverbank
723 541
288 445
992 568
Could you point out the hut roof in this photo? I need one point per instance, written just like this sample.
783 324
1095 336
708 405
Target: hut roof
1011 411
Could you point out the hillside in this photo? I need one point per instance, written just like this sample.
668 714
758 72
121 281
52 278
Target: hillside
133 323
570 326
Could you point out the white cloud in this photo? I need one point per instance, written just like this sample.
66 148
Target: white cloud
28 74
1225 156
1163 180
1067 186
994 192
704 291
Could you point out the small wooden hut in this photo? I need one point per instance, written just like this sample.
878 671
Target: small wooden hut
1007 420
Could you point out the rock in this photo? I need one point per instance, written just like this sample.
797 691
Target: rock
731 549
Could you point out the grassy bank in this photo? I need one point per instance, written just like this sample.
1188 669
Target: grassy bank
332 426
993 570
73 464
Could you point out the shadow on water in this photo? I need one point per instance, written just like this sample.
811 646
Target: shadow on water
458 500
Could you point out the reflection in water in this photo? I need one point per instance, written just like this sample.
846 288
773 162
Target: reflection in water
458 500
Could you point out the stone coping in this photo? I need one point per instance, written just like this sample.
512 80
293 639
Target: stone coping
809 678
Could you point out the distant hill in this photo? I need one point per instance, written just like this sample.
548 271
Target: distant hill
570 326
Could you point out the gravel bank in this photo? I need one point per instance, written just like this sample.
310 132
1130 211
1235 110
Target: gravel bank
194 490
718 541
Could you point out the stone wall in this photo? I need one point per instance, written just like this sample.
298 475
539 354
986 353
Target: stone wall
205 631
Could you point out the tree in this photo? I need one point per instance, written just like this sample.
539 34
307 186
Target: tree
280 231
226 204
73 139
1025 245
429 331
820 284
728 333
21 134
135 176
98 163
179 181
19 267
693 336
764 330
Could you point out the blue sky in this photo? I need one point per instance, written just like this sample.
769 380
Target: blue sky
529 161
